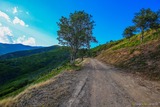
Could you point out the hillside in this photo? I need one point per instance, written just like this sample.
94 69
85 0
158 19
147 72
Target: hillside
132 55
7 48
27 52
17 73
94 85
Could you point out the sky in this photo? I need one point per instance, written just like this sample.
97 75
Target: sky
34 22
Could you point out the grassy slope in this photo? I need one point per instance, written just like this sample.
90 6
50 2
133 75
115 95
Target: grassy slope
45 80
131 54
16 74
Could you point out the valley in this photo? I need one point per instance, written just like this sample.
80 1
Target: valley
17 73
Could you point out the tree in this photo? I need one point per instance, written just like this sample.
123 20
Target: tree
76 32
82 53
155 20
129 31
142 20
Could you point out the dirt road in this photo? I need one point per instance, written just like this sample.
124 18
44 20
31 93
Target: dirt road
107 86
96 85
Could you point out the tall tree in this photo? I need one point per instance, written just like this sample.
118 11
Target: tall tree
142 20
155 20
129 31
76 32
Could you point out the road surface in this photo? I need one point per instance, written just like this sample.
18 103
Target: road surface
96 85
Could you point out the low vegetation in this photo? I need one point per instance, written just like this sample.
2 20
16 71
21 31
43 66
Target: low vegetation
44 81
17 73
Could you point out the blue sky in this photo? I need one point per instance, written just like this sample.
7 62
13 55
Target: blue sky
33 22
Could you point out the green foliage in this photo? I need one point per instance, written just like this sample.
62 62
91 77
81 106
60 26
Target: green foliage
82 53
76 32
95 51
127 43
146 19
18 73
54 72
155 20
129 31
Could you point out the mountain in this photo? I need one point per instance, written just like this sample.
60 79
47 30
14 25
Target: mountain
7 48
142 58
19 72
27 52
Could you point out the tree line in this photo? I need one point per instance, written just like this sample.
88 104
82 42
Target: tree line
143 20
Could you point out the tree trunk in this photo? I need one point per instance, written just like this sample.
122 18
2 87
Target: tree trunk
73 57
82 58
142 35
71 60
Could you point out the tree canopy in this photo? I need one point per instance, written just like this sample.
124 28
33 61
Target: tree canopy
143 20
155 20
129 31
76 32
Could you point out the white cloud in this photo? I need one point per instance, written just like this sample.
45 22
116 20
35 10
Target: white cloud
15 10
19 21
5 16
30 41
5 35
26 41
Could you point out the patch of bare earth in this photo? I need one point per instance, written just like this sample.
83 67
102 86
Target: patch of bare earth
143 59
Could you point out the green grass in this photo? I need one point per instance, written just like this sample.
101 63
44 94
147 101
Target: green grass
56 71
127 43
20 85
95 51
17 73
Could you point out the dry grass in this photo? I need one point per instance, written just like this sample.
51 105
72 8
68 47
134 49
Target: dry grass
6 102
143 58
9 102
49 92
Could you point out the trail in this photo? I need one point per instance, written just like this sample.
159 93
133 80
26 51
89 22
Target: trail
107 86
96 85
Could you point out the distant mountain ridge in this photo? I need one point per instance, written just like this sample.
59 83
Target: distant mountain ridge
8 48
24 53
